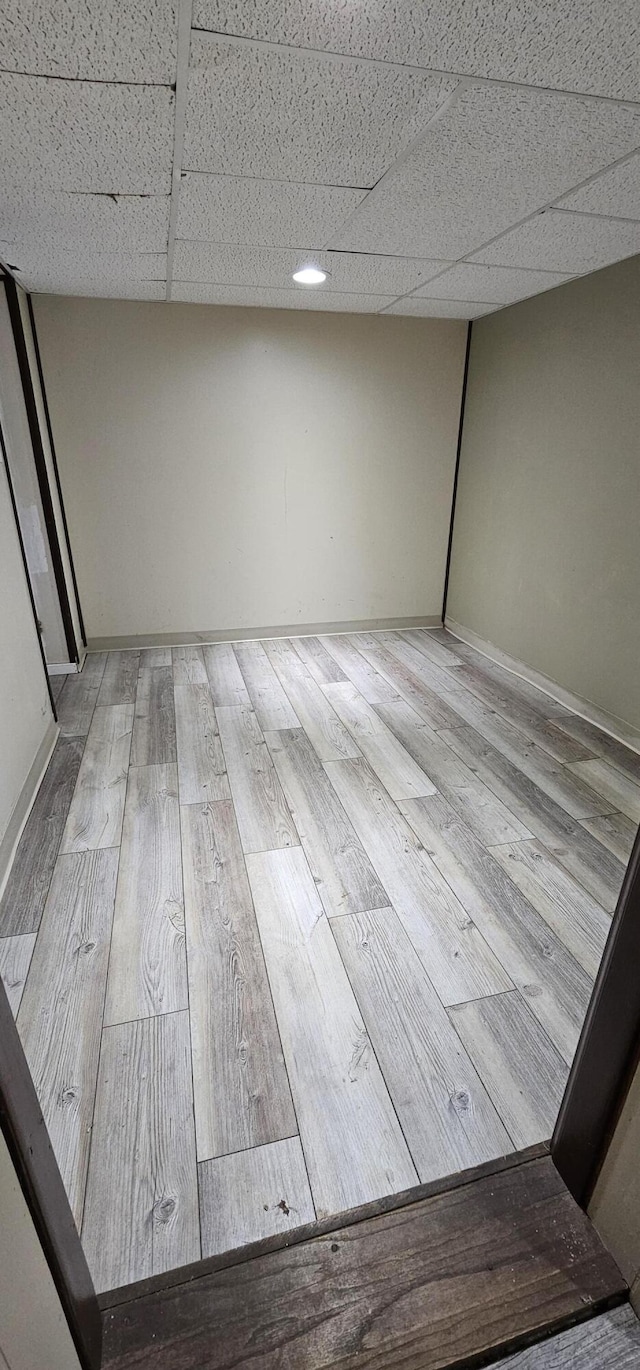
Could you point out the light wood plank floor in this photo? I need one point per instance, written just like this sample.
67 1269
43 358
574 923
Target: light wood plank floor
297 925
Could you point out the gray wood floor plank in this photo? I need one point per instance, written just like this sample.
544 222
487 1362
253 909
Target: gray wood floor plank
342 871
318 661
575 849
60 1017
530 721
619 791
601 744
616 832
75 706
225 677
406 684
373 686
556 988
93 668
392 763
273 708
434 677
241 1091
253 1194
353 1145
575 917
15 959
154 723
201 764
120 677
95 813
147 967
29 879
608 1342
523 689
424 641
446 1114
56 685
263 818
141 1209
467 794
452 950
188 666
331 740
153 658
521 1069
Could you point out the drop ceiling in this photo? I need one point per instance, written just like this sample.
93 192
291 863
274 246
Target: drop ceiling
437 158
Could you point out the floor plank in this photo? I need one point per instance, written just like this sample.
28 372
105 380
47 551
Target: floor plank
610 1340
141 1209
575 849
318 661
29 879
618 791
261 810
77 702
522 1071
154 723
523 689
241 1091
327 734
352 1141
446 1114
60 1018
147 969
342 871
95 813
433 1284
56 685
530 721
576 918
392 763
599 742
455 956
556 988
371 684
425 641
201 764
153 658
119 679
406 684
188 666
273 709
253 1194
15 959
616 832
225 677
490 819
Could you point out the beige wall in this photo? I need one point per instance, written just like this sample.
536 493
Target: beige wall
546 555
241 468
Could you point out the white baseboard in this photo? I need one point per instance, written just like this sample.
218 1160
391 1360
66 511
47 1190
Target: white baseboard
360 625
24 805
609 723
65 668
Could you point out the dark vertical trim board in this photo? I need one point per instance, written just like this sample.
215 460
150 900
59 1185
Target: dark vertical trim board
454 492
608 1049
26 573
40 464
54 459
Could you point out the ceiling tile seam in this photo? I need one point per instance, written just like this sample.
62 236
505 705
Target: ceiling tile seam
240 40
331 251
591 214
182 75
295 290
86 80
273 180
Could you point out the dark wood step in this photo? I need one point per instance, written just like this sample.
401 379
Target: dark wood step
443 1282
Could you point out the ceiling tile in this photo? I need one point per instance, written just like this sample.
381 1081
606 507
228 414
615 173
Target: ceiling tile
274 267
90 40
104 290
227 209
493 156
583 45
265 112
195 293
96 222
561 241
441 309
615 192
35 267
493 284
84 136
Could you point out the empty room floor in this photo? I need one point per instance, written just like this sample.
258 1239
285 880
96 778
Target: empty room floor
296 925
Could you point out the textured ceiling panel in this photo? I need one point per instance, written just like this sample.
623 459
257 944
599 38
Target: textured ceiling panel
493 156
90 39
295 116
492 284
274 267
230 209
441 309
575 45
557 241
616 192
36 266
103 289
92 222
279 299
84 136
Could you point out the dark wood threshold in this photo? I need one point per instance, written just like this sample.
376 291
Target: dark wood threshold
455 1279
184 1274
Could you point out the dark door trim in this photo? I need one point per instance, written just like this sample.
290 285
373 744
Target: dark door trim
454 492
27 1139
608 1050
27 577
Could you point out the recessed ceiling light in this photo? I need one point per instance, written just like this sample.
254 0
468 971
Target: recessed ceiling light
309 275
